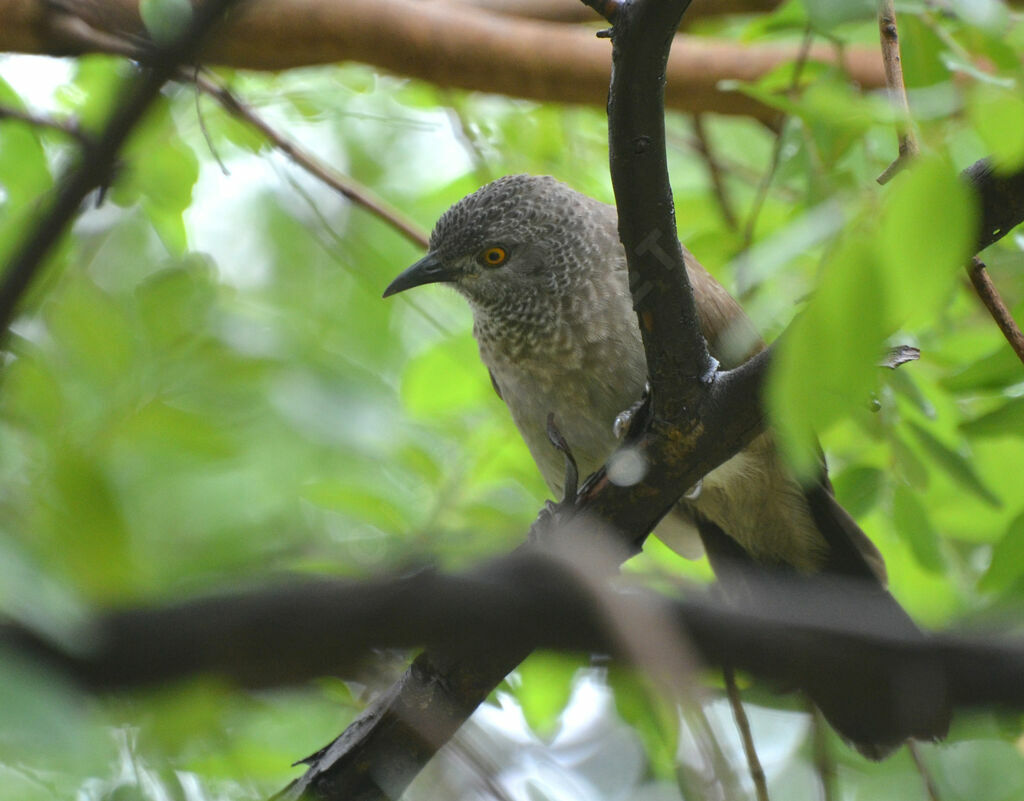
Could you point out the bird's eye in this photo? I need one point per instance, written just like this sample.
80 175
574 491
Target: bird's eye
492 257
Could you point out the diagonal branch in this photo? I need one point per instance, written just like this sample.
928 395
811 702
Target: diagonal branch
96 162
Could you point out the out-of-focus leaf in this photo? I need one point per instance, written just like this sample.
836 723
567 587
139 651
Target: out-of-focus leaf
653 718
161 170
1005 421
907 464
924 244
444 380
954 464
858 488
912 523
165 19
826 14
1007 565
903 382
547 680
92 329
88 522
998 118
175 303
998 370
826 362
362 503
921 51
33 396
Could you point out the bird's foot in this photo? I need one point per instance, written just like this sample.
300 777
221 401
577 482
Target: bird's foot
624 420
554 513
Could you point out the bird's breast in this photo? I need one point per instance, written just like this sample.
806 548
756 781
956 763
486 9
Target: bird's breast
584 390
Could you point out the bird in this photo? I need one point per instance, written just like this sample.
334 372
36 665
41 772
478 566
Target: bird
545 276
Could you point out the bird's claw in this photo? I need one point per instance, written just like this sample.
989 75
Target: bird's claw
624 419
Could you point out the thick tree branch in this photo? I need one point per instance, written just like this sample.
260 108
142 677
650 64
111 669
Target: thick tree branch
795 630
560 11
678 362
96 161
444 43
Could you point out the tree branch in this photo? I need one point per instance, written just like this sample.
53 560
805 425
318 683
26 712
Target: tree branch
790 629
342 184
447 44
96 160
993 301
678 363
69 127
890 41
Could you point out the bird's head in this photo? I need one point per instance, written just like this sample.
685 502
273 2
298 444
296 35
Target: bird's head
520 237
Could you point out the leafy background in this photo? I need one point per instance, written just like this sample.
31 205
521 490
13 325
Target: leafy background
205 390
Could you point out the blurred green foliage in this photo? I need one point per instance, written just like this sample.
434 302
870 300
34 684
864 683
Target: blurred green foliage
205 388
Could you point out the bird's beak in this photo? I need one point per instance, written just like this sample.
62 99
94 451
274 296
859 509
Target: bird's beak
428 270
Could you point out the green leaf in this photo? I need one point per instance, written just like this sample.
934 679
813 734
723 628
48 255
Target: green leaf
921 54
1007 565
176 303
911 521
87 519
371 505
924 244
997 114
827 14
652 717
93 330
956 466
998 370
165 20
907 464
547 681
161 171
1005 421
858 489
445 380
825 365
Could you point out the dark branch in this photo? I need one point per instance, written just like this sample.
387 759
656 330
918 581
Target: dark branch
68 127
95 165
678 362
804 632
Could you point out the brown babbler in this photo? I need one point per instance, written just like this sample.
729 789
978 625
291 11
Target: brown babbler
545 275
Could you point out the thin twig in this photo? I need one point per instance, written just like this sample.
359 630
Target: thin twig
922 769
467 137
76 30
202 127
766 180
94 167
889 36
823 761
339 243
743 724
346 186
710 749
715 172
989 295
773 166
68 127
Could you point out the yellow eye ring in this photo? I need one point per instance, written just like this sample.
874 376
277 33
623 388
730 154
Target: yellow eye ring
492 257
